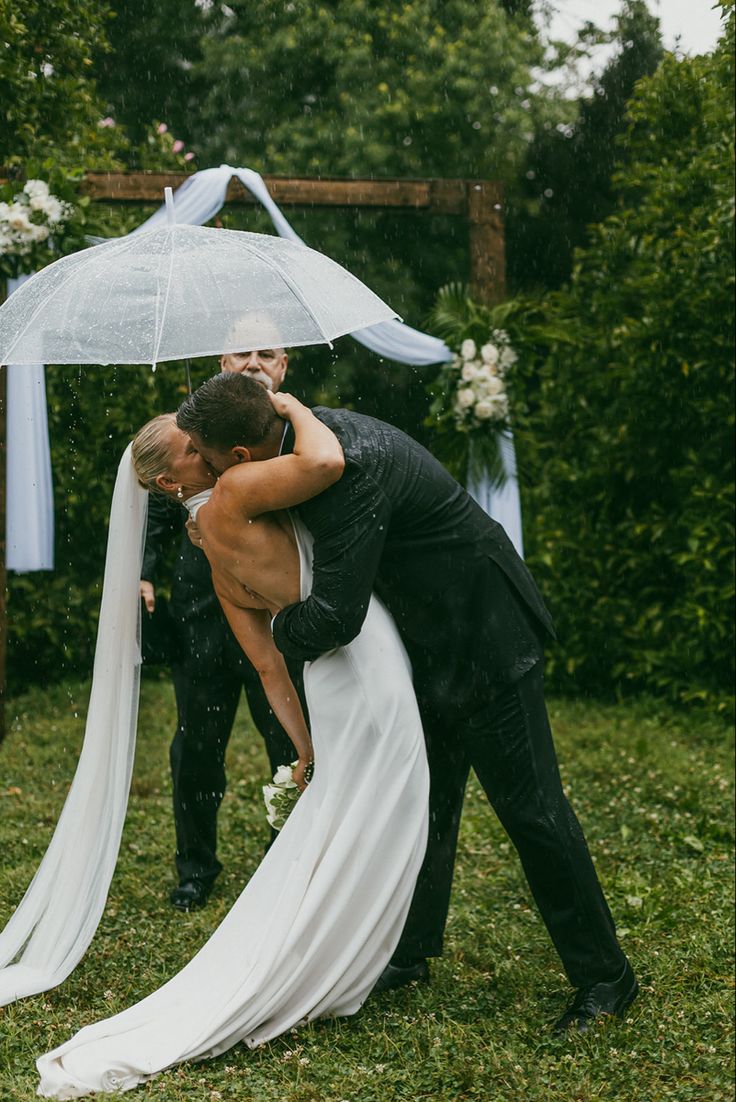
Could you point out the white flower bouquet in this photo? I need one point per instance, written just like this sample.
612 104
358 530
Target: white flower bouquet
30 220
281 795
470 405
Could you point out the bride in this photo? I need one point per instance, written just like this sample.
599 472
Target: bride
320 918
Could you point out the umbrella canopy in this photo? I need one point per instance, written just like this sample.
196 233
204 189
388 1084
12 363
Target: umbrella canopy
183 291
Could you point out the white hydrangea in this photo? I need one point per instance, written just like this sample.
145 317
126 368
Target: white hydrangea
17 218
20 225
36 189
54 210
468 350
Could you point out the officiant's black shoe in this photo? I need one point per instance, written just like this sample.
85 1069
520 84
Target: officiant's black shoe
399 975
190 895
598 1001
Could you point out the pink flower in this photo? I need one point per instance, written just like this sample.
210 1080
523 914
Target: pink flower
161 128
177 146
109 121
188 156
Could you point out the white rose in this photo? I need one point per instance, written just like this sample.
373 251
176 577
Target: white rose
36 189
508 357
469 372
40 233
4 208
468 350
282 776
493 385
465 397
485 409
489 354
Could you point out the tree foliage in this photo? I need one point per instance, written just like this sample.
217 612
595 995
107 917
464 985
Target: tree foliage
147 71
566 183
49 99
355 87
625 411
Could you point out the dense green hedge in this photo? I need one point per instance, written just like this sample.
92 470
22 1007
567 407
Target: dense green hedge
624 407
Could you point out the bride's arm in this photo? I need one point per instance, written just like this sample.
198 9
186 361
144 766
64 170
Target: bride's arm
316 463
251 627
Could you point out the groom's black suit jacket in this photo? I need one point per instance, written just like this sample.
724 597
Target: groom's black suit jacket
465 604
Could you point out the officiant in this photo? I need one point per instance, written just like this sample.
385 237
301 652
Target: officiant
209 672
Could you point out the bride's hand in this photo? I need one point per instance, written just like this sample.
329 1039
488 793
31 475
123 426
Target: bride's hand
302 772
285 404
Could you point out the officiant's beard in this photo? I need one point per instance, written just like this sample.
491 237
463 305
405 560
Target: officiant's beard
260 377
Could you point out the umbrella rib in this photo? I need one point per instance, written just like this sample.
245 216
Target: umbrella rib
275 266
166 302
42 305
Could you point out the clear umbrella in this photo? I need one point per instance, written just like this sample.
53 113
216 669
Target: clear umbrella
183 291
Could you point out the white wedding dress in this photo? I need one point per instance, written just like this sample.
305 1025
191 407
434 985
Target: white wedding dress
320 918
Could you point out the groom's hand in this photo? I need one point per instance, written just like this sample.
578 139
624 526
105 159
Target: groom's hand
148 593
194 533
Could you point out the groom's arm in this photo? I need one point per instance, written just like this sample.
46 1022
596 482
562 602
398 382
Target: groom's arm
349 523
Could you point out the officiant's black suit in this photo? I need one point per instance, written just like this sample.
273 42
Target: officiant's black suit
474 624
209 671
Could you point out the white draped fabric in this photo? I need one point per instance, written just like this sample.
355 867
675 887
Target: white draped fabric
29 493
198 200
55 921
502 503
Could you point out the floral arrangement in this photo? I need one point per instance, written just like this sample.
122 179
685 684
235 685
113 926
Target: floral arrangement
29 222
281 795
479 378
470 406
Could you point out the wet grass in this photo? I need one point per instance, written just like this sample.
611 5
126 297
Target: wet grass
653 790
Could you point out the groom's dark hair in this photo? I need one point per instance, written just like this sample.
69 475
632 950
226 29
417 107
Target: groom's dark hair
228 411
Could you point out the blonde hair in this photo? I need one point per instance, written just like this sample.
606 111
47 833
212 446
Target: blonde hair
151 451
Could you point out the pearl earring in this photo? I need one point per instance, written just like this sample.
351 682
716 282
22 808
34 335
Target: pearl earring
180 494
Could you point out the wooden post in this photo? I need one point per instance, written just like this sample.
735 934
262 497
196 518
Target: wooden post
487 252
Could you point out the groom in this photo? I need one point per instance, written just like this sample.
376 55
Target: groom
474 625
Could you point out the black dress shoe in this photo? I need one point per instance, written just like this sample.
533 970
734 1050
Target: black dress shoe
598 1001
397 975
190 895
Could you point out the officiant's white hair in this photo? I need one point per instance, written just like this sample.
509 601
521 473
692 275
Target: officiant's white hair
151 450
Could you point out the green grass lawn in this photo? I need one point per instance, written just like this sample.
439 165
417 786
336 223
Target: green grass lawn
653 790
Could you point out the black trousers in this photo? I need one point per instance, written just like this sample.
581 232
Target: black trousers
206 702
509 745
